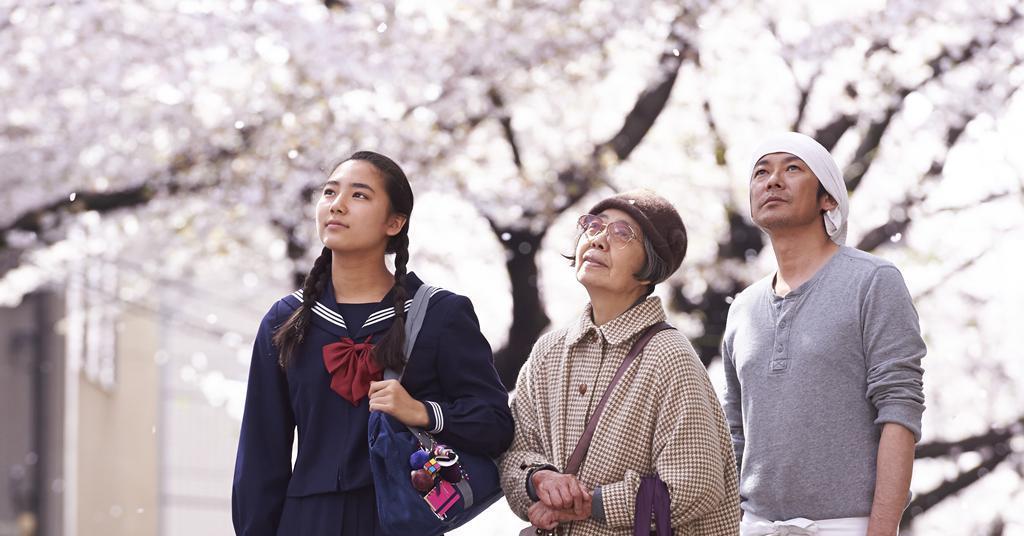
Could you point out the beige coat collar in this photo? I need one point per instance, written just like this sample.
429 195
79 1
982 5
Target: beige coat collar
620 329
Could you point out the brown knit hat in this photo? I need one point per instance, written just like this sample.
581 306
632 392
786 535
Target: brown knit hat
659 220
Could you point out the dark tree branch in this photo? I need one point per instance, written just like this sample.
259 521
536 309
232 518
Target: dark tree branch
711 309
804 89
43 218
295 250
983 201
868 147
576 182
998 527
993 445
719 146
956 270
989 439
638 122
900 215
340 4
33 220
506 126
716 136
828 135
922 503
805 97
652 101
947 59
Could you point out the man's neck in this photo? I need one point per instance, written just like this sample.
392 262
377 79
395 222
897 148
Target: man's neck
360 278
609 305
799 255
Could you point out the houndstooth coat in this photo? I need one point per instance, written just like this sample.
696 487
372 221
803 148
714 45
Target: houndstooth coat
663 418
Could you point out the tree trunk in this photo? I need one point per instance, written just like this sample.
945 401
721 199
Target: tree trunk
528 316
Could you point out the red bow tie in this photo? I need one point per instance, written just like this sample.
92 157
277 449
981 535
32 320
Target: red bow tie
351 368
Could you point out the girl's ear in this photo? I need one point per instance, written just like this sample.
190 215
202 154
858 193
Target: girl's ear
395 224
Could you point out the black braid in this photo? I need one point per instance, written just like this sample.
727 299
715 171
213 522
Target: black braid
390 351
290 335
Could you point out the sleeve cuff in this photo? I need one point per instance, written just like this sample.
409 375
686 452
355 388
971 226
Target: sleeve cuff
906 415
435 417
617 500
597 506
531 492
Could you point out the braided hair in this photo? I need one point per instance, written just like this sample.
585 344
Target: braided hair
291 334
389 351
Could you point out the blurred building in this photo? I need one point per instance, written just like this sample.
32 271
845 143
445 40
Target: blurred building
31 415
114 420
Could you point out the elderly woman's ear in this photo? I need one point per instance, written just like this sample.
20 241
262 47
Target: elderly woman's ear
677 241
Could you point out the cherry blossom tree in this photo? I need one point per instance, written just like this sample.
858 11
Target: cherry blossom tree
203 129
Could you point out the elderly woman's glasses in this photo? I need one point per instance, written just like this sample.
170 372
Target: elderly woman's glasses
619 232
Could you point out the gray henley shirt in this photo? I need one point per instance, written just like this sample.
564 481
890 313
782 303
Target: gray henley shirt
810 380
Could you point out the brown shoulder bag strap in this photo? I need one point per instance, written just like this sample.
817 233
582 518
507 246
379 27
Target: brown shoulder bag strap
583 445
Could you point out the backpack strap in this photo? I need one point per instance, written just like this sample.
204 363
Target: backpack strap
413 324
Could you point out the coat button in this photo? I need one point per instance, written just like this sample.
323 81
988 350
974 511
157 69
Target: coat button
583 388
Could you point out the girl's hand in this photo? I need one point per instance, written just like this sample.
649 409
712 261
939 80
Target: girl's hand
390 397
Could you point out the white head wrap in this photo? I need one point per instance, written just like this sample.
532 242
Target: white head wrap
823 166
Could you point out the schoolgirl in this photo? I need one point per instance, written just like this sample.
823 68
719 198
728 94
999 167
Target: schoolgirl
318 359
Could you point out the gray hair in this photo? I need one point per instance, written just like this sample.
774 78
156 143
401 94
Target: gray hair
655 268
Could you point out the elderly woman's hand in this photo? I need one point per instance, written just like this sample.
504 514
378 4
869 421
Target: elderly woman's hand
562 492
544 517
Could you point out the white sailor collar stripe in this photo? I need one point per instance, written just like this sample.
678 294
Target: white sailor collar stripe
376 317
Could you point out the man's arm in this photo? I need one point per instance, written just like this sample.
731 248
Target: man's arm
732 400
892 479
894 349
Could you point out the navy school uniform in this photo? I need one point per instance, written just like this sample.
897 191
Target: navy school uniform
330 489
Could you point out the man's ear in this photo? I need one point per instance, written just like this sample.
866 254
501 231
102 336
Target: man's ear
395 224
828 202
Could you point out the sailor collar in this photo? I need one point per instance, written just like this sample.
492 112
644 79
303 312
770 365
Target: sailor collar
326 313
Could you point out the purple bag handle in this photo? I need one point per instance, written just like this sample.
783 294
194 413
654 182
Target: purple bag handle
652 499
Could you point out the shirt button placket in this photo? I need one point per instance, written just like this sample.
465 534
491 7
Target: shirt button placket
779 360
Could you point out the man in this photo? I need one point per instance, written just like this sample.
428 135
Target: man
822 362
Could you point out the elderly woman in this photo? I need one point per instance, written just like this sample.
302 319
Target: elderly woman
662 418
